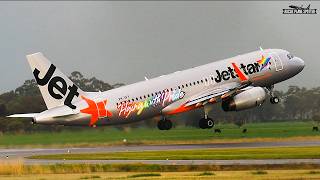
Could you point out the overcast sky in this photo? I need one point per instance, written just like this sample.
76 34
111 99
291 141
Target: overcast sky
125 41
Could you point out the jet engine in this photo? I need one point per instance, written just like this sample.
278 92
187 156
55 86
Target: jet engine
246 99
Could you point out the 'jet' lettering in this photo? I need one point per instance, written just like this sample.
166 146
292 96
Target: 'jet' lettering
57 86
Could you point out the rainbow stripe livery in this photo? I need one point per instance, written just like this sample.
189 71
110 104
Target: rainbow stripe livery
264 62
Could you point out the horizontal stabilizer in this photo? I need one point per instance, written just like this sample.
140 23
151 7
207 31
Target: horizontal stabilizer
30 115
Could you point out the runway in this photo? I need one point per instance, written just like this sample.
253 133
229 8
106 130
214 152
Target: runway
15 154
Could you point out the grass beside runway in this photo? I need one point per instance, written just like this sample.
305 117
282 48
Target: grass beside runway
198 154
223 175
182 135
18 168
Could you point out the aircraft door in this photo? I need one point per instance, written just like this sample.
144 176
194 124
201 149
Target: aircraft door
277 61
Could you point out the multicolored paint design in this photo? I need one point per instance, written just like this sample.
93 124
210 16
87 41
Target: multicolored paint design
96 110
264 62
126 108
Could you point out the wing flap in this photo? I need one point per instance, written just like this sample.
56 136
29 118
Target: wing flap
205 97
224 91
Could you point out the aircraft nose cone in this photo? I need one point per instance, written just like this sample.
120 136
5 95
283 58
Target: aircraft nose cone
299 63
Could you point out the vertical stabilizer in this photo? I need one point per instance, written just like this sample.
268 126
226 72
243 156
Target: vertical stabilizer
55 87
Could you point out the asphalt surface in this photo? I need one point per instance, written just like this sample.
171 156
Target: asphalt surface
21 154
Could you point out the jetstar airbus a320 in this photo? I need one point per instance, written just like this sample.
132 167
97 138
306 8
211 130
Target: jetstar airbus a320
237 83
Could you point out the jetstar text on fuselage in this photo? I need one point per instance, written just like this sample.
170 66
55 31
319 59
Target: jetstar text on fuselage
231 73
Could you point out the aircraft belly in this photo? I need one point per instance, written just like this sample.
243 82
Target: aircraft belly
74 119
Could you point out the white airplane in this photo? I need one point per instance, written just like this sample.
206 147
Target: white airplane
238 83
299 7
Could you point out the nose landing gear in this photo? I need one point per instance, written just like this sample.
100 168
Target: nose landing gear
273 99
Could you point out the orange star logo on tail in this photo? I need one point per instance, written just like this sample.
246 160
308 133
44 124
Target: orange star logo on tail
96 110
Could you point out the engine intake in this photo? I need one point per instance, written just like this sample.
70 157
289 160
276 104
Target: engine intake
250 98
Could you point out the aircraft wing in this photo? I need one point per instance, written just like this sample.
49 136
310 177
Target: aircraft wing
212 95
30 115
206 96
217 93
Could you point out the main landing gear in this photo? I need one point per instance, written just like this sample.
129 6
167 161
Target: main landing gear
206 123
273 99
164 124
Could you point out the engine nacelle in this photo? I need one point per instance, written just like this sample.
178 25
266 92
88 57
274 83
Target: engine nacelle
246 99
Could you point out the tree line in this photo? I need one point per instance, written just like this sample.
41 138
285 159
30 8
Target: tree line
297 103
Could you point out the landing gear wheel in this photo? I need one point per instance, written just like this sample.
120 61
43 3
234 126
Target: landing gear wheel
167 124
206 123
210 123
160 125
274 100
202 123
164 124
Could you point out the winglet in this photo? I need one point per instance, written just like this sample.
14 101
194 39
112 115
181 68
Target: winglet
261 48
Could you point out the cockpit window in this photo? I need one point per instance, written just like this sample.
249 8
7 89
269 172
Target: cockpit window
290 56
